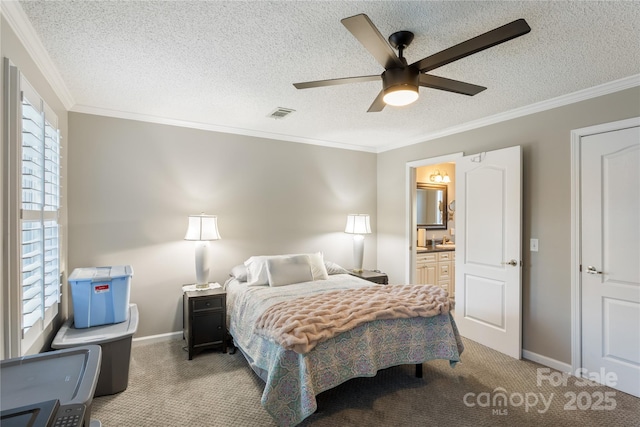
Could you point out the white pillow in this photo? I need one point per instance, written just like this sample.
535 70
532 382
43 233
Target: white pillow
318 268
239 272
283 271
257 268
333 268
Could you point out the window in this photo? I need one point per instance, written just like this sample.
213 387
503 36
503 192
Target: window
32 204
40 200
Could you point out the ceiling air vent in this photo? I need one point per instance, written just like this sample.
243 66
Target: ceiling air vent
281 113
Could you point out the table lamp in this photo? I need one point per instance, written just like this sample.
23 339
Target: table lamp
202 228
358 225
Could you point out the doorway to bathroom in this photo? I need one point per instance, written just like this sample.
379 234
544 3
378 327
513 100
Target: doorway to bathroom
420 234
487 230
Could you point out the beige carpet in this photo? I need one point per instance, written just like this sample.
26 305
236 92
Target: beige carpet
215 389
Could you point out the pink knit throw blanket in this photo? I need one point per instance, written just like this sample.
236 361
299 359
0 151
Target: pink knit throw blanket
302 323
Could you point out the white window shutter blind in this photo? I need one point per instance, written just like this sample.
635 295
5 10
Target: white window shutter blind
40 202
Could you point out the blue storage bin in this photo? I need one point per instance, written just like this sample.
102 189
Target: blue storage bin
100 295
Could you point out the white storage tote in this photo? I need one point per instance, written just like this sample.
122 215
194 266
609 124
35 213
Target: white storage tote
100 295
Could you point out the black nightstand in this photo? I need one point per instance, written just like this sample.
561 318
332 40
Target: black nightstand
204 320
372 276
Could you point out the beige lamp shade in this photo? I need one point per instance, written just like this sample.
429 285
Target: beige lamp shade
202 227
358 224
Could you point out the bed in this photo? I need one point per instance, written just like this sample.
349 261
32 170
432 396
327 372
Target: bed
294 378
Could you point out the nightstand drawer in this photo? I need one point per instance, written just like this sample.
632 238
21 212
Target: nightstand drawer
380 280
207 303
372 276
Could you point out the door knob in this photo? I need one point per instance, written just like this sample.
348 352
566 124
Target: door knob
592 270
512 263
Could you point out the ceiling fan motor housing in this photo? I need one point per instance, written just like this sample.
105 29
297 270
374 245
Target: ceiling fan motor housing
406 78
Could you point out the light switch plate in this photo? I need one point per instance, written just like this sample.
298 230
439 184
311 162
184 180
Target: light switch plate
533 245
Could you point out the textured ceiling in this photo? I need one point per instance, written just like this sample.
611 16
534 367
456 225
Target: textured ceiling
229 64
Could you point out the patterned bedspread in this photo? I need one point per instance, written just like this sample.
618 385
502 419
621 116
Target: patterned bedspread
293 380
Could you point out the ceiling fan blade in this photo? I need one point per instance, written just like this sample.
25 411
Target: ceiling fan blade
449 85
363 29
334 82
483 41
378 103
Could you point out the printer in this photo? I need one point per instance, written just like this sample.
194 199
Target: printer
49 389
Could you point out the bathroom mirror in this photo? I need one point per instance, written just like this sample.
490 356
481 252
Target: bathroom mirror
431 206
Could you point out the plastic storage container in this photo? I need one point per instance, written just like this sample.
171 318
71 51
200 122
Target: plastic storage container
68 375
115 341
100 295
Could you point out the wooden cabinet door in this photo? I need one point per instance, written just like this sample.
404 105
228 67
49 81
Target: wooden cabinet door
426 269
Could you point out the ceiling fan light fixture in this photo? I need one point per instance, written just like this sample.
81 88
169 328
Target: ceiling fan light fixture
399 96
400 86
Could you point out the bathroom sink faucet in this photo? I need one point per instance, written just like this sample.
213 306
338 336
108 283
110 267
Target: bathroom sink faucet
444 240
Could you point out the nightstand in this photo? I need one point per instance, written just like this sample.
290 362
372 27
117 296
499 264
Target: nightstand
204 318
372 276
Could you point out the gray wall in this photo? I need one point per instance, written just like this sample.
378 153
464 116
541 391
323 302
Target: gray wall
133 184
545 139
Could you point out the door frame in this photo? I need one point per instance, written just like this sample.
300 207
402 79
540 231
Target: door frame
576 242
410 217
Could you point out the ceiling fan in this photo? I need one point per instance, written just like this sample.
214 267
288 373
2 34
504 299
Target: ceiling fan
400 81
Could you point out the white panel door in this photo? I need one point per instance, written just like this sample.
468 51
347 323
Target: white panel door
488 274
610 272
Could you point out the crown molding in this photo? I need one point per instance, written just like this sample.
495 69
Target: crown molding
86 109
560 101
20 24
571 98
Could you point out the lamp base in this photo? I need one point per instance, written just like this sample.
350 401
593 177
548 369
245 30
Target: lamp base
358 252
202 264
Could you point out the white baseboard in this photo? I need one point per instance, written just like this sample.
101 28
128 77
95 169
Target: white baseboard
546 361
157 338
